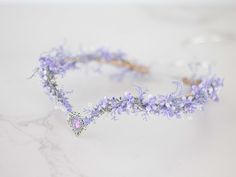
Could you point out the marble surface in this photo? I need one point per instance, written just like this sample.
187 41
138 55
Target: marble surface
35 139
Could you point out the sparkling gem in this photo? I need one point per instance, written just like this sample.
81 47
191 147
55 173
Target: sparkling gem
77 124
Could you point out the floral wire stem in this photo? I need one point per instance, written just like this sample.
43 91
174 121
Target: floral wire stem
58 61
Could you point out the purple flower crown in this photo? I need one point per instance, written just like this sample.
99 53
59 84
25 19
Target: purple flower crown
175 104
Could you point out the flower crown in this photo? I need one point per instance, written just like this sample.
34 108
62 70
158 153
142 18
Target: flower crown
58 61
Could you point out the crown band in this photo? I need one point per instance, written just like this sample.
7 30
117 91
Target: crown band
175 104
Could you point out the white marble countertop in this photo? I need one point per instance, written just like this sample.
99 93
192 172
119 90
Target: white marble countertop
35 140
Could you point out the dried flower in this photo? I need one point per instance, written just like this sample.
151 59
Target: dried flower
58 61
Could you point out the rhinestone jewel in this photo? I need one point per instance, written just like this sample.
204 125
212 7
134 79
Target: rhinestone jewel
76 123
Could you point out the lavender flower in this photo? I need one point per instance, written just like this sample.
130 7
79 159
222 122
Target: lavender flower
58 61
